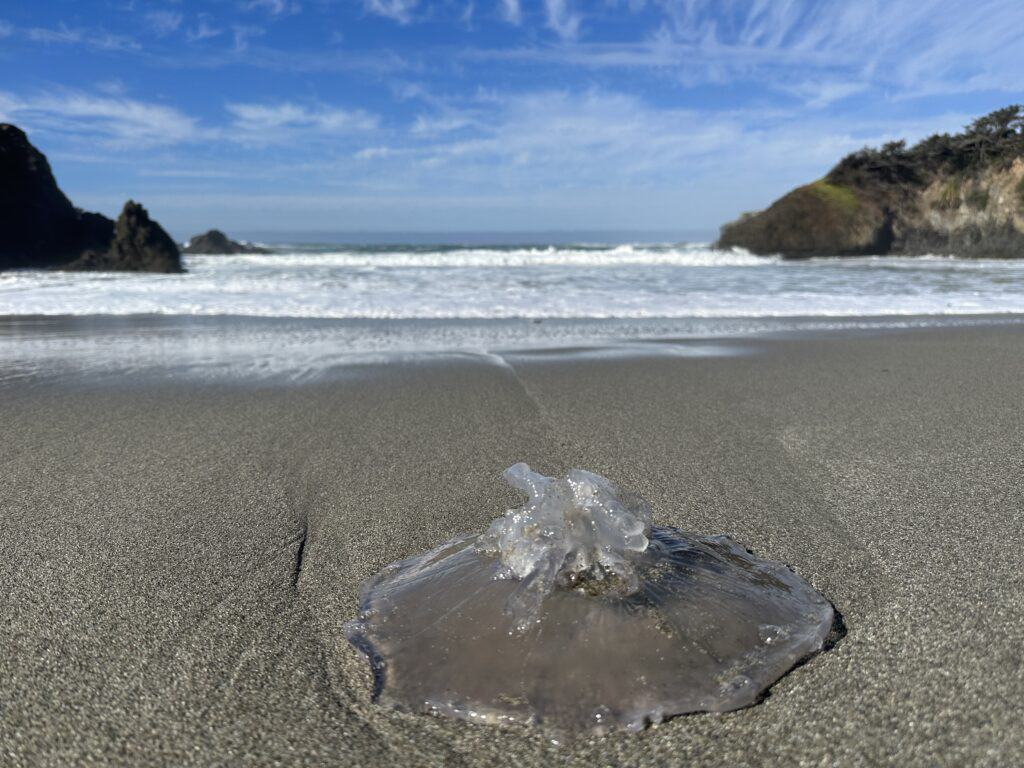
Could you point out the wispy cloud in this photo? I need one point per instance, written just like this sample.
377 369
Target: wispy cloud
467 14
900 47
275 7
163 22
399 10
374 153
511 12
562 19
575 98
435 126
204 29
274 123
110 121
96 38
607 140
243 34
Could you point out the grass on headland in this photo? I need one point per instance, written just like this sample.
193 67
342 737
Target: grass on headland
836 195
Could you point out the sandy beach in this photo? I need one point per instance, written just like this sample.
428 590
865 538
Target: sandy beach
178 557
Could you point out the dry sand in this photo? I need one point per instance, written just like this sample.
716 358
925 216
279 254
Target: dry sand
177 558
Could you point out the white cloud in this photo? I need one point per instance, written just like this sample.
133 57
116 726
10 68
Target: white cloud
203 30
511 12
243 34
561 19
6 29
588 138
275 123
275 7
596 140
373 153
399 10
163 22
817 94
112 87
98 39
903 48
59 35
434 126
108 120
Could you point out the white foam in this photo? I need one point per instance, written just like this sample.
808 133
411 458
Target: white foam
498 258
628 281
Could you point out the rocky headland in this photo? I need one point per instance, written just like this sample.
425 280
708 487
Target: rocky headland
40 228
215 242
959 194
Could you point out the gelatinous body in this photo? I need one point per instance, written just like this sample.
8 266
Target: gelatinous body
575 623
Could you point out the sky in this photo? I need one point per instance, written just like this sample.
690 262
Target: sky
485 115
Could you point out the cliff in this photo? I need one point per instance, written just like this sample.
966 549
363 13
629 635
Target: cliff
959 194
40 228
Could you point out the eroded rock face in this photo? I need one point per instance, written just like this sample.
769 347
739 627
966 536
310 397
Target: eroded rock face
40 228
217 243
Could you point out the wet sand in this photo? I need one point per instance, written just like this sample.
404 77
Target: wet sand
177 557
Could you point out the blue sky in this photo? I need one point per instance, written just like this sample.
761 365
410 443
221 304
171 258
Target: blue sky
412 115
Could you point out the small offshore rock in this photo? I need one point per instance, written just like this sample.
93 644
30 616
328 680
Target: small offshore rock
216 243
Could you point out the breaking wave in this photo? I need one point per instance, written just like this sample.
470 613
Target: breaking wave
575 282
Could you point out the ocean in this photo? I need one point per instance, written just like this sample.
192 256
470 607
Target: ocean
313 306
537 281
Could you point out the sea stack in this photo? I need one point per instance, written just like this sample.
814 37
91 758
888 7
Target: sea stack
215 242
139 244
957 195
40 228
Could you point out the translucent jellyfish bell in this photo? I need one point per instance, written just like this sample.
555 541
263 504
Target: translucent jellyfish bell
573 611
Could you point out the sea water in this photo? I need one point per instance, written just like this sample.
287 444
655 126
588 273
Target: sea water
307 309
540 281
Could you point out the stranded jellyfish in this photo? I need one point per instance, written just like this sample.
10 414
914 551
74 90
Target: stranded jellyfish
574 612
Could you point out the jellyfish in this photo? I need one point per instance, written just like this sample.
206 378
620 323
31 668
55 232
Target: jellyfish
574 612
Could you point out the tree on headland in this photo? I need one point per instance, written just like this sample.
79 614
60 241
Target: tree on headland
994 139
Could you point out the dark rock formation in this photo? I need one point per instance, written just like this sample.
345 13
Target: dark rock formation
38 225
139 244
216 242
961 195
40 228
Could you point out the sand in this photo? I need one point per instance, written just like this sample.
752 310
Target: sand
177 557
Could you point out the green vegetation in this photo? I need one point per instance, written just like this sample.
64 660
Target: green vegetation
949 196
996 139
836 195
977 197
